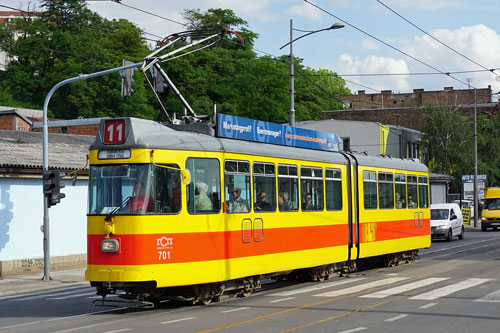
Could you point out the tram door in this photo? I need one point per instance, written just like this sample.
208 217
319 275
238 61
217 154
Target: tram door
353 207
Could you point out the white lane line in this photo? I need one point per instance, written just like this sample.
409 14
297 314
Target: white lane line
116 331
445 291
404 288
177 320
281 300
355 330
20 325
397 317
73 296
237 309
493 297
315 287
45 295
361 287
426 306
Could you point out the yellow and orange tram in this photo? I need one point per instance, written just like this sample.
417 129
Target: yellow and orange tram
180 214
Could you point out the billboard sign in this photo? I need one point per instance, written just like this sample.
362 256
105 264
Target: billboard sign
261 131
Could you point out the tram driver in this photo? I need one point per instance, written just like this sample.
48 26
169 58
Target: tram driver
140 202
237 204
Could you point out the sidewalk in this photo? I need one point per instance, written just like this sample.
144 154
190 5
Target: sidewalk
19 284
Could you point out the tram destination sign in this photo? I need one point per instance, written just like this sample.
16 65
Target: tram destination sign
261 131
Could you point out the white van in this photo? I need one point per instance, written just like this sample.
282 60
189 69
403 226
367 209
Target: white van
447 221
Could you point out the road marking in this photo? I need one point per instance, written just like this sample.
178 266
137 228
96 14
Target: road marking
73 296
397 317
361 287
177 320
116 331
493 297
426 306
281 300
45 295
315 287
355 330
20 325
237 309
445 291
404 288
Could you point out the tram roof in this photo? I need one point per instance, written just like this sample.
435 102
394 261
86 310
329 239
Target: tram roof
141 133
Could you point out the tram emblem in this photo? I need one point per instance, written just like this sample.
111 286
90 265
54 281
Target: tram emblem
164 243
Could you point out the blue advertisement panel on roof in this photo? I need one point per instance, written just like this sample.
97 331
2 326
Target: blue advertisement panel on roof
261 131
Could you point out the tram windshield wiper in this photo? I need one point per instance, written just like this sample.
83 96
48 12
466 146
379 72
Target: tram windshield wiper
117 209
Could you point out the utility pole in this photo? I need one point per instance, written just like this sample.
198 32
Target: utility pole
476 207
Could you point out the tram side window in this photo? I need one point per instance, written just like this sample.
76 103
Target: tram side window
237 186
400 180
412 191
370 189
288 188
385 190
423 192
264 187
203 193
167 192
311 188
333 189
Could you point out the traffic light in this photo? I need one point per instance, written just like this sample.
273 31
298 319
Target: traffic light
127 79
52 186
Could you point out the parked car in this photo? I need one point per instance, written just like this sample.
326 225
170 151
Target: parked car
447 221
467 203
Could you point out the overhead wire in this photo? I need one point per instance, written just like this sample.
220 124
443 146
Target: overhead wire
492 70
386 44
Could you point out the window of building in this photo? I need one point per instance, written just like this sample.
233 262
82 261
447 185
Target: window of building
385 190
370 189
237 186
311 188
264 187
423 192
333 189
412 191
288 188
203 193
400 185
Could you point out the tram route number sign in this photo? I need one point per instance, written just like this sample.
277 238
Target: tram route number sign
261 131
114 132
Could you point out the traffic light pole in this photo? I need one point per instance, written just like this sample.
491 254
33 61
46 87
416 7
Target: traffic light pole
45 143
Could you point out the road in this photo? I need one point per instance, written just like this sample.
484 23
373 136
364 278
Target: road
453 287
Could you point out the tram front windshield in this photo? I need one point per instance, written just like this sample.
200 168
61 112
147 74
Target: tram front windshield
126 189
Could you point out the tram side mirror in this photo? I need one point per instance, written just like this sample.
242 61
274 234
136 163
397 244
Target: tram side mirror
185 177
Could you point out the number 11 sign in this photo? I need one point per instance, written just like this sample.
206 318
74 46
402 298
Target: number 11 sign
114 132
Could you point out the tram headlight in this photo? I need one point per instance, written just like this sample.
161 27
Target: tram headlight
110 246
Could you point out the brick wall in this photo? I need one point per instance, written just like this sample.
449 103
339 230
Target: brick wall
386 99
77 130
406 117
8 122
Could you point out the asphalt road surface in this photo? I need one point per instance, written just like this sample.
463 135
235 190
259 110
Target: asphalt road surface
453 287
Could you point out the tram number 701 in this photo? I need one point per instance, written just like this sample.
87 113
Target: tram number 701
163 255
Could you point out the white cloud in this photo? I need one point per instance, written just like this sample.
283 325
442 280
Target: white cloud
428 4
307 11
479 43
369 44
348 64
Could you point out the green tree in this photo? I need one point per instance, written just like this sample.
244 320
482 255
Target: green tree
66 40
448 139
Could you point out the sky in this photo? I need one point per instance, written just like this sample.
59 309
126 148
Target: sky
377 38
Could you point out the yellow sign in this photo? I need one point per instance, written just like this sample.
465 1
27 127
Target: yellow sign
466 215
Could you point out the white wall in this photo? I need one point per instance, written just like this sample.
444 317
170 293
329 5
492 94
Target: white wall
21 215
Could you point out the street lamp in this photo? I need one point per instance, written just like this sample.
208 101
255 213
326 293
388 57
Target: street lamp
292 92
